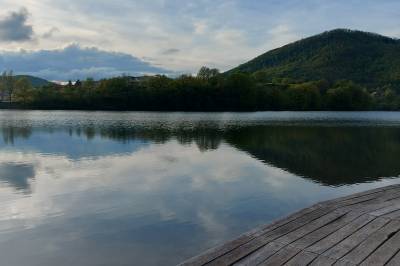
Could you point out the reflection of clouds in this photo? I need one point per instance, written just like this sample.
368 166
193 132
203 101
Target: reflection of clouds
144 179
154 194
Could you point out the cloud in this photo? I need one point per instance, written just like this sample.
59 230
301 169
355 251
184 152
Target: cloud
76 62
14 27
217 33
171 51
50 32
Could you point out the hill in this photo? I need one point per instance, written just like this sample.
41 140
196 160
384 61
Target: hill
35 81
337 70
365 58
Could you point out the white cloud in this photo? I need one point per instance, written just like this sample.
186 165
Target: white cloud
219 33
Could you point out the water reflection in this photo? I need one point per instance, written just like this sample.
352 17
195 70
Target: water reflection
153 189
17 175
326 154
10 133
329 154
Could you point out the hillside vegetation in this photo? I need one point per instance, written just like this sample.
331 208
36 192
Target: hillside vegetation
336 70
365 58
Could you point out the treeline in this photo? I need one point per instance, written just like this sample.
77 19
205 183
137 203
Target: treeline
207 91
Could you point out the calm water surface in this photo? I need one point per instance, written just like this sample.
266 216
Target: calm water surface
131 188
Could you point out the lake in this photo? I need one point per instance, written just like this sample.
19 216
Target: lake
139 188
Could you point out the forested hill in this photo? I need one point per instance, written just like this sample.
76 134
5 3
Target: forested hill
365 58
336 70
35 81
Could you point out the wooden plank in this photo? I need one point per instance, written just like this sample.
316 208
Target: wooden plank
348 244
260 255
364 193
362 199
312 226
322 226
385 252
331 228
369 245
302 259
321 233
331 240
381 203
392 215
343 263
395 261
281 257
351 200
389 209
221 250
256 243
322 261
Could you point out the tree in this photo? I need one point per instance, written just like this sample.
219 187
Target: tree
304 96
7 85
346 95
23 91
207 73
240 91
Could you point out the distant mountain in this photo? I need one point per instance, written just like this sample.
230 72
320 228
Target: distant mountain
365 58
35 81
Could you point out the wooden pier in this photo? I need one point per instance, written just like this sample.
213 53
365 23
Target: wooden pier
360 229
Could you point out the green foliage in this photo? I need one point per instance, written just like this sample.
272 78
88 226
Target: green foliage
336 70
24 91
207 73
346 95
34 81
304 96
7 85
367 59
235 92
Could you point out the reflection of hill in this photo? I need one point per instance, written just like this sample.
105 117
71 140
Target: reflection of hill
332 155
329 155
17 175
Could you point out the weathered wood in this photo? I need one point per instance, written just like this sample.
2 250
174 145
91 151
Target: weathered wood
317 235
369 245
386 210
281 257
302 259
218 251
323 261
333 239
395 261
385 252
393 215
261 255
343 263
358 235
260 241
359 228
312 226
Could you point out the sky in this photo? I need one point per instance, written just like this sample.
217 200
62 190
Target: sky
76 39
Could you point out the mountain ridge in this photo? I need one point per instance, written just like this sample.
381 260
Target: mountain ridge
366 58
35 81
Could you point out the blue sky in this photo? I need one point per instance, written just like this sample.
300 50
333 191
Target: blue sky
109 38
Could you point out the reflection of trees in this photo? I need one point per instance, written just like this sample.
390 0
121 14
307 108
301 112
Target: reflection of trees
10 133
330 155
205 138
